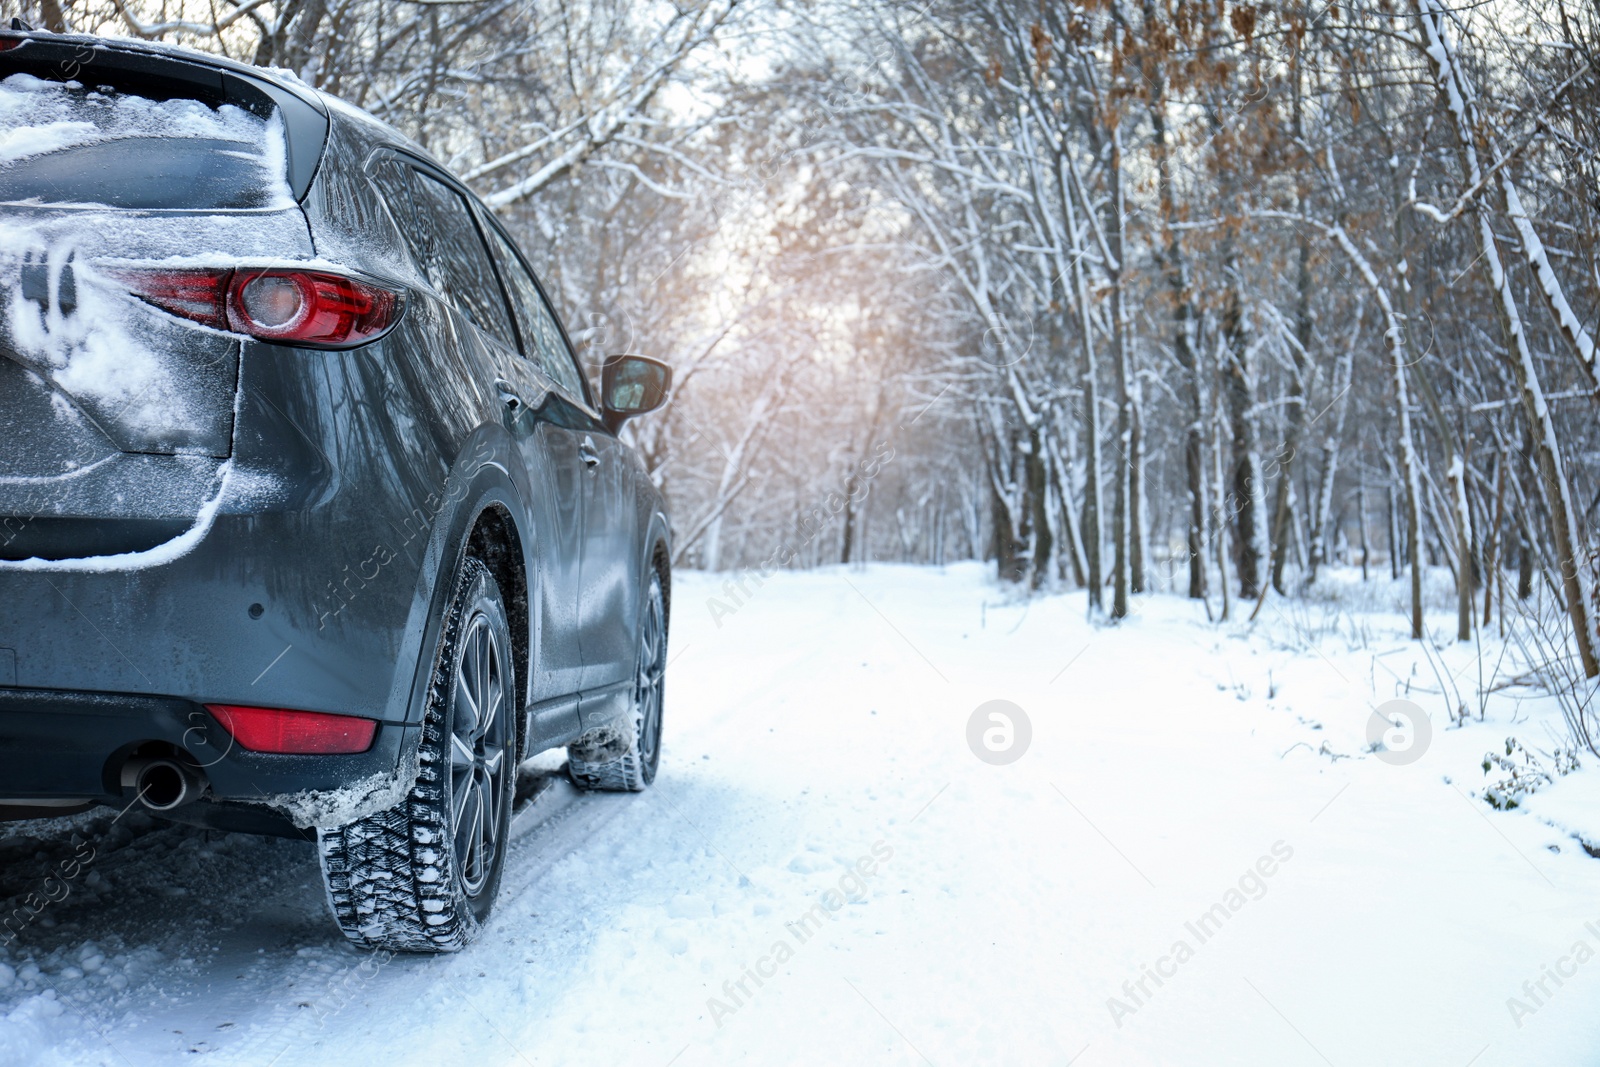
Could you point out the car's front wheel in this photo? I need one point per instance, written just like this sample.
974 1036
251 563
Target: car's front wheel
422 876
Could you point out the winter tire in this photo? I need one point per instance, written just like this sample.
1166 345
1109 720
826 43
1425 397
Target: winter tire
624 758
421 877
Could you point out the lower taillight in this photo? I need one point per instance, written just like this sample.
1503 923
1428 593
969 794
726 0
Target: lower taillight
294 732
300 307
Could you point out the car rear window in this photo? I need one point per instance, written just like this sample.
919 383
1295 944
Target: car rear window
64 143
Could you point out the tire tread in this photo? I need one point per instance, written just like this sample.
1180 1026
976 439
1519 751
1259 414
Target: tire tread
389 876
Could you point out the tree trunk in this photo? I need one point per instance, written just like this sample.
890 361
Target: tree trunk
1139 508
1041 565
1061 473
1220 521
846 541
1000 456
1122 531
1394 537
1295 416
1177 277
1000 538
1322 506
1361 519
1460 526
55 20
1243 499
1491 540
1095 583
1457 477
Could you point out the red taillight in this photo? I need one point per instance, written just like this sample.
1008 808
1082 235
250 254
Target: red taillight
298 732
201 295
308 307
8 43
303 307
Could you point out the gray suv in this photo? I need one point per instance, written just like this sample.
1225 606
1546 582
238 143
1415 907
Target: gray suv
310 522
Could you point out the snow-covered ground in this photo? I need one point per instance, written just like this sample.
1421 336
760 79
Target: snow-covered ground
1196 860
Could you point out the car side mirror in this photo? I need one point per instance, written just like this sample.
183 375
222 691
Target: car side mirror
632 385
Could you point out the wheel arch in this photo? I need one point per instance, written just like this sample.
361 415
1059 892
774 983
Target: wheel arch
496 539
658 558
482 513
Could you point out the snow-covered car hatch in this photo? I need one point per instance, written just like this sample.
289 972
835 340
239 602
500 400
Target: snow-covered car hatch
97 381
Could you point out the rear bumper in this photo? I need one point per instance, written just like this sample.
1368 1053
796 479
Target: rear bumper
294 586
307 583
58 745
251 614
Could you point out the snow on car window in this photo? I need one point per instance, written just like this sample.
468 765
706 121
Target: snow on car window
67 143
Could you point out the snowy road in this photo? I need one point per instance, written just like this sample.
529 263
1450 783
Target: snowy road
1172 873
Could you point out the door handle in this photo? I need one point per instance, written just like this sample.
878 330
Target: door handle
508 396
586 450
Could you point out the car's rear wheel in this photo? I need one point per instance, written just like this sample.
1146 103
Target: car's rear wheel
422 876
623 758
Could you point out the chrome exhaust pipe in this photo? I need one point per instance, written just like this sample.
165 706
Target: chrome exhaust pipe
164 784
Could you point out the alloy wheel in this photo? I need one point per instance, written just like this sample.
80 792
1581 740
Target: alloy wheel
478 753
649 676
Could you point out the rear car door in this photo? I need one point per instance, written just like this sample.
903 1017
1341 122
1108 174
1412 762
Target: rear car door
607 599
553 425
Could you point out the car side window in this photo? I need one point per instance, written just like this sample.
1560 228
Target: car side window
455 261
542 338
392 179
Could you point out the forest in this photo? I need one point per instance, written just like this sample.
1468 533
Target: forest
1121 295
